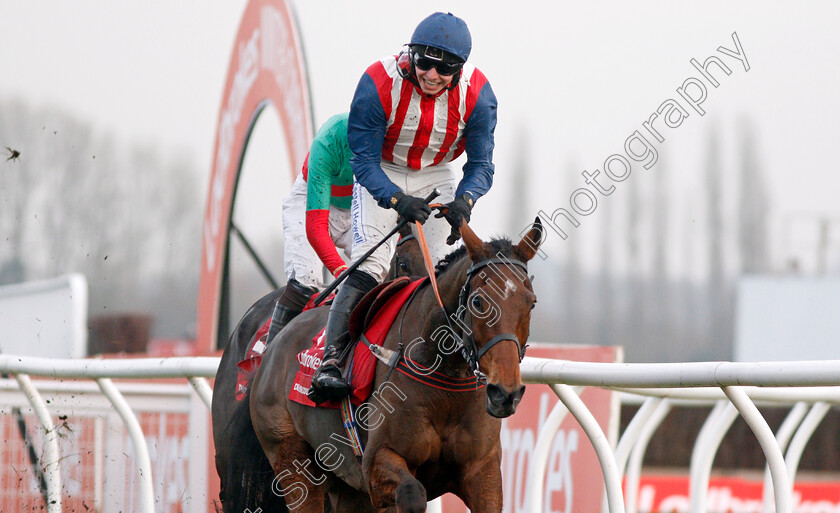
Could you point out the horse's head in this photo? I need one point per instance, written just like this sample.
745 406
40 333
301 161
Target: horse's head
408 258
498 297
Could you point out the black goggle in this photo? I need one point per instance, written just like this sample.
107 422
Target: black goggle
429 57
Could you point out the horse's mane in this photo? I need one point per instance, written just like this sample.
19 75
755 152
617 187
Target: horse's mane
500 244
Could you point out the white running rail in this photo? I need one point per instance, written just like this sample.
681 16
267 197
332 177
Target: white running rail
195 370
735 388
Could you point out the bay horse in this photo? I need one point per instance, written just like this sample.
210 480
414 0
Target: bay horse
426 429
230 418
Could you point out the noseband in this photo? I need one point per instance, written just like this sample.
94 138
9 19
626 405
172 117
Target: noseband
472 354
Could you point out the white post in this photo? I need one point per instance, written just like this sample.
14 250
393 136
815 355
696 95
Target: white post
599 442
637 456
783 435
775 460
539 458
705 449
802 435
52 455
147 492
435 506
199 436
98 463
202 388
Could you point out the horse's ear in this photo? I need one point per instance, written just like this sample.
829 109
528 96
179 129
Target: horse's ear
529 244
405 230
475 246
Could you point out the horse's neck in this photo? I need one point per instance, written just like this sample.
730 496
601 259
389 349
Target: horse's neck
427 313
451 283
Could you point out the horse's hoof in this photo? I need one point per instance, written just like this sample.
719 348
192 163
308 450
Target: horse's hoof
411 497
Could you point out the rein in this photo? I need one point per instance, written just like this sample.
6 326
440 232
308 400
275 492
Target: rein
466 342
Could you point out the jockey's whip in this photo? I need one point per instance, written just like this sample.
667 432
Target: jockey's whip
341 277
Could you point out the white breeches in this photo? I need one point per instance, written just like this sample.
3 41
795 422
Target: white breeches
372 222
299 259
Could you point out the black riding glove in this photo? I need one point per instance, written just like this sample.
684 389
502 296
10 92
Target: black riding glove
456 210
411 208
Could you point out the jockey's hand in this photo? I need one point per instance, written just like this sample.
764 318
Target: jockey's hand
338 270
411 208
454 211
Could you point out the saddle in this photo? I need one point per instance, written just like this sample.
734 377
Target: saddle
372 303
371 319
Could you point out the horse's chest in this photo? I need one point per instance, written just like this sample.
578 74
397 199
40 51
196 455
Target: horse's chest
466 442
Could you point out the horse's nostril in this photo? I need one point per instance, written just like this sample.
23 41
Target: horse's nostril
495 394
499 396
518 395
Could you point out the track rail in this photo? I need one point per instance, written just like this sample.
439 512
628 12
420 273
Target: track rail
194 369
734 388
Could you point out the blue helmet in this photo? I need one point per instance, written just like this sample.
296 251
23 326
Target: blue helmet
445 31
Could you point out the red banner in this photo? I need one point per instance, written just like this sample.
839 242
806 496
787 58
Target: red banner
266 67
669 494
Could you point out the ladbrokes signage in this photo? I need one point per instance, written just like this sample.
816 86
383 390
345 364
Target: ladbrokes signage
266 67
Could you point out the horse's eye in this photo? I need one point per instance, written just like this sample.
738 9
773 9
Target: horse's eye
403 266
476 301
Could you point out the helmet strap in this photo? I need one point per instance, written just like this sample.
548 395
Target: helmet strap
408 72
455 78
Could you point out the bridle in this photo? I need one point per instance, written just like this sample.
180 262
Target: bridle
400 262
470 351
466 342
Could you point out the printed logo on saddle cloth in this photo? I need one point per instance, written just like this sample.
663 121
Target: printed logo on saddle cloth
363 361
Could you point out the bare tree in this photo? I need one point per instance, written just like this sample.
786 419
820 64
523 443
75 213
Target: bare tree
78 202
754 207
659 298
518 208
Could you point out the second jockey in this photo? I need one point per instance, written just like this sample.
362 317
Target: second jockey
316 220
411 115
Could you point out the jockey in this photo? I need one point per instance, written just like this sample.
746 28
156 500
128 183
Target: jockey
316 220
411 115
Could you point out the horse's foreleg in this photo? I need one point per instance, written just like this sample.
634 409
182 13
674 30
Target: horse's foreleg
481 485
391 483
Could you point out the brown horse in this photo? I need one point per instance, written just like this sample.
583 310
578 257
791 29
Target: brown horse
426 429
231 418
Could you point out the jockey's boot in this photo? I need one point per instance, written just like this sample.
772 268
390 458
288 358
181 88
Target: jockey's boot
290 303
327 382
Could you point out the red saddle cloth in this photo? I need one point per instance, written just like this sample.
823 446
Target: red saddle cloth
253 357
364 362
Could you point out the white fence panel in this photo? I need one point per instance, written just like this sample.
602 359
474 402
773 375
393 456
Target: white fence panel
735 387
124 447
730 384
